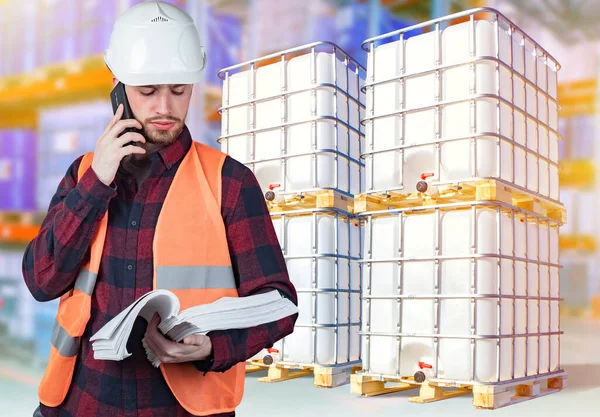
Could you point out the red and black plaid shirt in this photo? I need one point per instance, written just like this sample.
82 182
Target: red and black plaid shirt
133 387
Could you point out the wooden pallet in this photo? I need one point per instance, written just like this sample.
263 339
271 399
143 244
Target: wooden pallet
252 367
484 190
368 386
484 396
497 396
324 376
313 199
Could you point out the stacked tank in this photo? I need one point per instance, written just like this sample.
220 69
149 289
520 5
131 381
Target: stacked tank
294 118
461 206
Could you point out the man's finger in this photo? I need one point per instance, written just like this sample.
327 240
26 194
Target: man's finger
129 137
153 346
115 119
153 333
121 125
194 339
166 345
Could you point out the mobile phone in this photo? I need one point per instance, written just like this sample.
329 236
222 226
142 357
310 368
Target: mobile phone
117 97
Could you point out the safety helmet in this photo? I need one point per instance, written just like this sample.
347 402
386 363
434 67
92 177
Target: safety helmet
155 43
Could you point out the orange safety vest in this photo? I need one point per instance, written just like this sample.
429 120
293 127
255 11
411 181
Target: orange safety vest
191 259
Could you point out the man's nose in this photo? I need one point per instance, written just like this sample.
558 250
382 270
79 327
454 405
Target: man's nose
164 104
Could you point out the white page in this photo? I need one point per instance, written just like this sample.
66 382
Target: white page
109 328
162 301
221 306
235 320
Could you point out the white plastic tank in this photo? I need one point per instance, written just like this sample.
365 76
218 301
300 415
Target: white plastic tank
480 250
515 101
322 251
296 122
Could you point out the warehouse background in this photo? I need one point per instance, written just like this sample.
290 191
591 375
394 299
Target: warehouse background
54 104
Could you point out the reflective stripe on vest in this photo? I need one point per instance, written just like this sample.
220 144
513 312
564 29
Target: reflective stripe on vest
86 281
191 277
191 258
66 345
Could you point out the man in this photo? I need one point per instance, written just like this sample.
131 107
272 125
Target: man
161 212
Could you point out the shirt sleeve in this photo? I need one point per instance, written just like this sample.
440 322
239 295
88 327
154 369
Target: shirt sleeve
53 258
258 266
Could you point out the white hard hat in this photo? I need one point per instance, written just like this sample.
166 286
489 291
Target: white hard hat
155 43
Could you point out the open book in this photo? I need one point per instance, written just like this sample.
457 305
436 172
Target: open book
110 342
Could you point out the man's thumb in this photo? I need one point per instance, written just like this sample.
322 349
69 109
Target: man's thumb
189 340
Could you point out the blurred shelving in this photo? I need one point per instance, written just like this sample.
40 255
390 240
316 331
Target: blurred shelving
571 21
595 308
53 85
424 10
19 228
578 242
580 282
577 173
77 81
578 98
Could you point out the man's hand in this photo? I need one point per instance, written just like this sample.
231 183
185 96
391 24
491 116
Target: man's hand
110 148
194 348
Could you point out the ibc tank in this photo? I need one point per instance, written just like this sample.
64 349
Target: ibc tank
475 100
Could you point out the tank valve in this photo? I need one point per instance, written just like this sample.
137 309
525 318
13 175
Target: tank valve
419 376
422 186
270 195
269 359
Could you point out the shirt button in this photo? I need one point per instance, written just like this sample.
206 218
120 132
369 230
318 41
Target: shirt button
134 223
129 267
129 181
170 164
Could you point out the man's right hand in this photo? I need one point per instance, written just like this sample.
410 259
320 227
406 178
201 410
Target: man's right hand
110 149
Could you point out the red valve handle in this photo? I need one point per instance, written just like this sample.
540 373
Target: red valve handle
272 350
425 175
273 186
425 365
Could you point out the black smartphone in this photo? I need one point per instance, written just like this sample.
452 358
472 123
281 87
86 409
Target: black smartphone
119 96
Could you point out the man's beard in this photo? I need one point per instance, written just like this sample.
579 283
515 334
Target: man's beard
161 137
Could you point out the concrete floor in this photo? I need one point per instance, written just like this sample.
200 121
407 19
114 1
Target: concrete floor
580 358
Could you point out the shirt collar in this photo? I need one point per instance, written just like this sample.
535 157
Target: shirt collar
174 152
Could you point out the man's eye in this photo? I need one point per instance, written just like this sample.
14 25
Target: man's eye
146 93
178 93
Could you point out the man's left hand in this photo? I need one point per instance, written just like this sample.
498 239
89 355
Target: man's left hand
194 347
